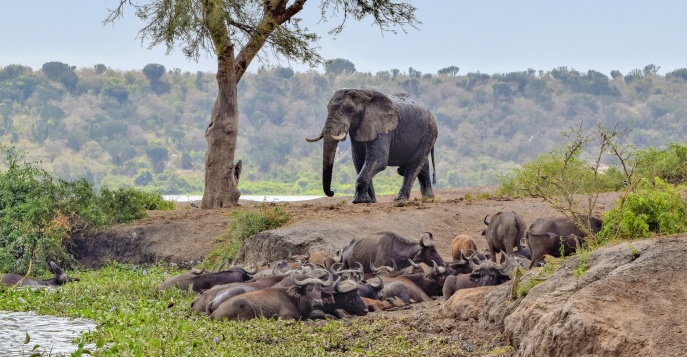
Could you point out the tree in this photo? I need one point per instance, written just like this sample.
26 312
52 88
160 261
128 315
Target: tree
100 68
338 66
225 27
449 71
153 72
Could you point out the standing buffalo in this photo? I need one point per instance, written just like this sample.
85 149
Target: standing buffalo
385 248
60 278
385 130
296 302
504 233
556 235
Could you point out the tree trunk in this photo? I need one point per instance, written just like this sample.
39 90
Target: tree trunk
221 175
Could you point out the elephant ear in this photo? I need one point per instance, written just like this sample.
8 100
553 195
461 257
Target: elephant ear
380 117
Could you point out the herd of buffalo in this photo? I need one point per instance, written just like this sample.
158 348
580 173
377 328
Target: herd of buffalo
380 271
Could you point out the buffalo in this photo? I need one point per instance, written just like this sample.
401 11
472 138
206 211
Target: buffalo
462 243
60 278
504 233
556 235
343 297
484 274
415 287
202 280
388 247
296 302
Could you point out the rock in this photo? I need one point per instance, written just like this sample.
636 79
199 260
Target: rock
623 305
466 304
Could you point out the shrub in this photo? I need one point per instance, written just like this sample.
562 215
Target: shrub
40 214
669 164
245 223
655 208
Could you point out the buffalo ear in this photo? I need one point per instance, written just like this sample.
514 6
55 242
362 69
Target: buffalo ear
380 117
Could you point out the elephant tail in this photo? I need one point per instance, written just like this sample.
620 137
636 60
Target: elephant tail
434 169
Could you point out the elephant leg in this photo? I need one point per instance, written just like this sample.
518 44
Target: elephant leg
368 163
410 172
364 189
425 181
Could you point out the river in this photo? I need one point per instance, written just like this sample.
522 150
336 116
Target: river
54 335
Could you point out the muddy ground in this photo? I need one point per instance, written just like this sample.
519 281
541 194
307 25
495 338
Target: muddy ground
472 324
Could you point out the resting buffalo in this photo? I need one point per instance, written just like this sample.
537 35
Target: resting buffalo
60 278
545 235
484 274
415 287
383 248
462 243
200 281
210 299
344 296
369 290
296 302
504 233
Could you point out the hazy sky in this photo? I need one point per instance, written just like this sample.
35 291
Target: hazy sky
486 36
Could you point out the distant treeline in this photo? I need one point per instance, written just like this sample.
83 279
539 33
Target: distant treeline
145 128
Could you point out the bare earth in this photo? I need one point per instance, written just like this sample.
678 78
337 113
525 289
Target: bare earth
602 313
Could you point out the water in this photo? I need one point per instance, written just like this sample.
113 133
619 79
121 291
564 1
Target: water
53 334
258 198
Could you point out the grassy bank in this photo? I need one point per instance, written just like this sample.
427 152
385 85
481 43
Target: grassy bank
135 319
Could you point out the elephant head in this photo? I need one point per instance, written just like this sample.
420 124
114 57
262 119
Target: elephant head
365 114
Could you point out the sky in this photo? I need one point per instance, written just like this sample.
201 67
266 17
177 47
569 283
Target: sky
489 36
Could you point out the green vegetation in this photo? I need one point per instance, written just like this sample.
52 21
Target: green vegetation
541 274
655 208
243 224
583 262
124 131
135 319
40 214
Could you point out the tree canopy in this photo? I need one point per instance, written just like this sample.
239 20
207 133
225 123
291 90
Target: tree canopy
236 31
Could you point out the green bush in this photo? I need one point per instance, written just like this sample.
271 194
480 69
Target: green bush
40 214
655 208
544 175
243 224
669 164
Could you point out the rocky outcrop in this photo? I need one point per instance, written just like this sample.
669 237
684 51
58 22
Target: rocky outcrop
278 243
632 300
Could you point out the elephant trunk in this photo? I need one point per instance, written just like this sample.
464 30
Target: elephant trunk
328 153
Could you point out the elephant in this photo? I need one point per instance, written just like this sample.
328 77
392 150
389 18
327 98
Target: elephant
385 130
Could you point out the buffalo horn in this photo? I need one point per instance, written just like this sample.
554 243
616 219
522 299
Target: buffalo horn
254 270
305 281
485 219
379 286
415 265
437 268
277 267
373 267
291 257
473 265
503 265
312 140
422 239
339 137
307 256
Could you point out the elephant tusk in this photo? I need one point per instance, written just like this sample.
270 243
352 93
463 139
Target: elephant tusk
314 139
339 137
